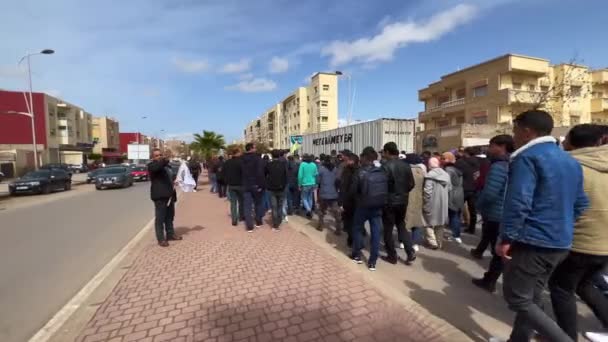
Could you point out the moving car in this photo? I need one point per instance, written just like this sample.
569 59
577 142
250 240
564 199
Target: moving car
41 182
92 175
113 177
140 173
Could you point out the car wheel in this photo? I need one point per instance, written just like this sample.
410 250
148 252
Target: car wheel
97 187
67 186
46 189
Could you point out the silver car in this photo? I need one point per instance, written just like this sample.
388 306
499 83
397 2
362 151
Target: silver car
113 177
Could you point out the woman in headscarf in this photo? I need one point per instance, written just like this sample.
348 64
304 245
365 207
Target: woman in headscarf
436 190
414 220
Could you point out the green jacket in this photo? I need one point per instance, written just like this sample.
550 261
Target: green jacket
307 174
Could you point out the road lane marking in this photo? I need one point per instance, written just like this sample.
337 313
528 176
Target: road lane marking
62 316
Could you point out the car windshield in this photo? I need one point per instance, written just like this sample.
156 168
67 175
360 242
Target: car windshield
140 168
112 171
37 174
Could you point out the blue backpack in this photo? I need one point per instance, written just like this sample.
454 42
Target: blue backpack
374 188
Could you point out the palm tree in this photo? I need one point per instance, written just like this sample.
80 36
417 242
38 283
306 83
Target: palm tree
208 144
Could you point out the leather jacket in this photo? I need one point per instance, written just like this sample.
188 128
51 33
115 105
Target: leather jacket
400 181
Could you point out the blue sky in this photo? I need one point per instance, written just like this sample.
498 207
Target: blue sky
189 65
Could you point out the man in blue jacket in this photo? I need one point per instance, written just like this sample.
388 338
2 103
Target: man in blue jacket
544 197
490 204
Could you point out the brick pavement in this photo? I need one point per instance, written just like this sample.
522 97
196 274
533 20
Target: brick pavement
223 284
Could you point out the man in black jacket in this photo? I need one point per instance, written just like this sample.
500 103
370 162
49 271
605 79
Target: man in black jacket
276 182
347 196
252 171
195 169
234 179
469 166
293 190
400 183
164 197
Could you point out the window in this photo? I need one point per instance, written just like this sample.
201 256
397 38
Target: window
52 132
324 119
309 125
323 103
326 87
517 85
443 123
308 111
575 90
531 87
480 91
307 98
480 120
316 90
461 93
544 89
460 120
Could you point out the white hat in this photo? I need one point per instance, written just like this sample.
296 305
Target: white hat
401 156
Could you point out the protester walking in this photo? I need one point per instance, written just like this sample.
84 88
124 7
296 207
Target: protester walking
437 186
219 175
234 180
371 189
276 182
490 205
455 197
252 171
589 252
544 198
162 193
414 219
293 190
211 168
195 170
328 194
307 181
347 194
469 166
400 183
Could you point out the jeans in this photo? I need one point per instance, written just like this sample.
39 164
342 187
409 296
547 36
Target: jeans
286 199
266 205
334 209
221 189
307 195
524 280
489 236
455 223
236 203
395 216
276 200
213 181
575 275
163 221
252 204
471 199
293 202
417 236
374 216
195 177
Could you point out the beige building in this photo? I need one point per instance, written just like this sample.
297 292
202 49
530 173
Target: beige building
309 109
176 148
491 93
105 134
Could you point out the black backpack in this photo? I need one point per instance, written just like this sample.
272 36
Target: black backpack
374 188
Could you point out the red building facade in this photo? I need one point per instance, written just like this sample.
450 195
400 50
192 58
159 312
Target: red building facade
17 129
129 138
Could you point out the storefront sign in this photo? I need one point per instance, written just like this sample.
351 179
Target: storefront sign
334 139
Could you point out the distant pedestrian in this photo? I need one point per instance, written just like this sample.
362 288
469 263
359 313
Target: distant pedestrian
276 182
233 177
307 181
437 186
544 198
219 174
456 195
212 169
195 169
371 189
328 194
254 184
162 193
490 205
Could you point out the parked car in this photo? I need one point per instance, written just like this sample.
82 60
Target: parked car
60 166
41 182
113 177
92 175
140 173
78 168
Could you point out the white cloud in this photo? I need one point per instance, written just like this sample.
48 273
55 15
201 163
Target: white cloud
254 86
308 78
382 47
278 65
192 66
246 76
237 67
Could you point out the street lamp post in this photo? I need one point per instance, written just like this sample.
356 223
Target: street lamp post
350 95
30 106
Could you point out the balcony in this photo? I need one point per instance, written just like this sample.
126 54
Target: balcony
599 105
524 96
446 105
600 76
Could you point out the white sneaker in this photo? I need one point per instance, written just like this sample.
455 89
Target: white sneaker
286 219
458 240
496 339
193 190
416 248
596 337
401 245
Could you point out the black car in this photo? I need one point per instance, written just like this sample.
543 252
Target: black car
41 182
65 167
92 174
113 177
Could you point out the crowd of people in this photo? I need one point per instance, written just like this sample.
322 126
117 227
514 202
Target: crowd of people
543 208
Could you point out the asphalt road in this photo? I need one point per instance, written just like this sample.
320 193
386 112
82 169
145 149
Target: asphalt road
49 250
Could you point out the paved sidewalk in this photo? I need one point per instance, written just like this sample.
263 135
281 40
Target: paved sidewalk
223 284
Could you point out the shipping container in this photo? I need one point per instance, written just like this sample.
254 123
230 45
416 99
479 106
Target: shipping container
358 136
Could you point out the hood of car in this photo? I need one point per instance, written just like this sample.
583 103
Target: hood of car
28 180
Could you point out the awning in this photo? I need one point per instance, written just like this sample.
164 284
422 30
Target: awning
111 154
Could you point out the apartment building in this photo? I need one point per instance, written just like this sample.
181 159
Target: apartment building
309 109
490 94
106 136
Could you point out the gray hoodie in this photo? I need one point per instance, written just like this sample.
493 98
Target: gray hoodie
456 196
437 186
